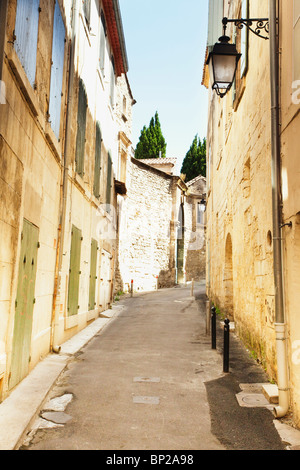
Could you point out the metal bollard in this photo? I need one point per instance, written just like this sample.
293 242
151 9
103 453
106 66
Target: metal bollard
213 328
226 345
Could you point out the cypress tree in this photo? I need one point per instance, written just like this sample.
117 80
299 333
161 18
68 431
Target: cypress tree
194 163
151 142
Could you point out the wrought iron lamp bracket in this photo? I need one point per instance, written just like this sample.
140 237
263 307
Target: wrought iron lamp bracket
262 25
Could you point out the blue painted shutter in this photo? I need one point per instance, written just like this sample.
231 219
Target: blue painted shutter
58 53
26 31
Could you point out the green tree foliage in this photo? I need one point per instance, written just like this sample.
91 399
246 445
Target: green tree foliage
194 163
151 141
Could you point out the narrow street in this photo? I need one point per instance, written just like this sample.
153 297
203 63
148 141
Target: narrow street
150 381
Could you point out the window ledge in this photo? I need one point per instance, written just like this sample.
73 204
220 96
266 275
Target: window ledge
22 80
52 141
71 321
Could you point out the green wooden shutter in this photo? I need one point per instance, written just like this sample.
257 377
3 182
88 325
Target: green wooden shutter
97 161
108 184
24 304
81 128
93 276
74 272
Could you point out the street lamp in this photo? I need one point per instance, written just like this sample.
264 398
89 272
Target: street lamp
224 58
223 62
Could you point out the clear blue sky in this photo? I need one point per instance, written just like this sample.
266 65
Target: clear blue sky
165 42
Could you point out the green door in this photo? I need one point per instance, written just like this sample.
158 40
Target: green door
93 276
24 304
74 273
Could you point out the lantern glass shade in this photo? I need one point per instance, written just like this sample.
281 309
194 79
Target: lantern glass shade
222 62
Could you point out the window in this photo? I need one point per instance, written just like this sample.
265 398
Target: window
74 272
296 41
26 31
108 182
102 42
81 128
97 161
57 68
112 81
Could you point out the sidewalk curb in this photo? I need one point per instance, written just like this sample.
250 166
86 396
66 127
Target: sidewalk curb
21 407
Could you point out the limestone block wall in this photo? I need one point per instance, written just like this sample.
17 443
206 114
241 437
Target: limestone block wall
145 254
239 211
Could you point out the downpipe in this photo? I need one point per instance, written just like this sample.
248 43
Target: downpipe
280 326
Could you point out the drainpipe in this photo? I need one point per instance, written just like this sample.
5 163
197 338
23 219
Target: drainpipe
65 177
280 326
3 16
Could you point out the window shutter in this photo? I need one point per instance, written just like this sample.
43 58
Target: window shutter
81 128
87 10
97 161
108 186
74 273
58 50
26 31
93 277
112 81
102 42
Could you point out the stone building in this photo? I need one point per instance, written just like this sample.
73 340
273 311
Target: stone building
159 233
242 262
63 64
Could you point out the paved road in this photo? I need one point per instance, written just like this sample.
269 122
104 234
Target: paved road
150 381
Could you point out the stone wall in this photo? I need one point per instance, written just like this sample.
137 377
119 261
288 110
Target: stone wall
145 255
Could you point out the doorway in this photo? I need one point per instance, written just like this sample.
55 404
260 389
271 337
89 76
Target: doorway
25 300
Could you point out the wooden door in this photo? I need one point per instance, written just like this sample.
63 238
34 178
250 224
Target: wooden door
74 271
24 304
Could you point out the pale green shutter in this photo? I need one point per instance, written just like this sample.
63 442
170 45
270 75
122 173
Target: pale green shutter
93 277
97 161
74 273
81 128
108 184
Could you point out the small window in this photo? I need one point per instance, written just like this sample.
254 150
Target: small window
26 31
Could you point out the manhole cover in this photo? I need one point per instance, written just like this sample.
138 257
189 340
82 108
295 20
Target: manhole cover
255 399
252 400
